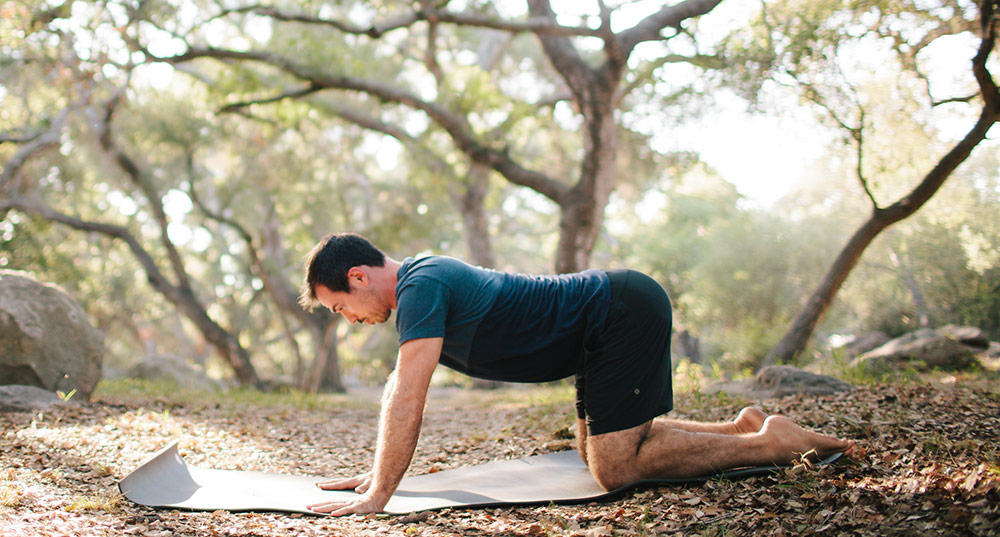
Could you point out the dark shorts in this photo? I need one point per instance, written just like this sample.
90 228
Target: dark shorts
626 373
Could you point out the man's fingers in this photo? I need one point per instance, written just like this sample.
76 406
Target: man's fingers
342 484
325 507
337 484
346 510
343 508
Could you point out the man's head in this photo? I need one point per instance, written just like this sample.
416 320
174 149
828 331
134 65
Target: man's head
329 263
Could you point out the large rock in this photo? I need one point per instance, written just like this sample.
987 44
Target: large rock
966 335
922 349
19 398
46 339
782 380
862 343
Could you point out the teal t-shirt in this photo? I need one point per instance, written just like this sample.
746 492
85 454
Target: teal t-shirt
501 326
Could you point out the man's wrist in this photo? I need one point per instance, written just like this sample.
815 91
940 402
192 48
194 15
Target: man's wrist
379 497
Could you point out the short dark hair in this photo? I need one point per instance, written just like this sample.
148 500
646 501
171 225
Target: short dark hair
328 262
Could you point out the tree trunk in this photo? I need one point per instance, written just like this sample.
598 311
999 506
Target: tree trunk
919 304
476 225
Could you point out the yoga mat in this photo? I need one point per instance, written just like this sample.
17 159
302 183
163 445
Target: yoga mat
166 480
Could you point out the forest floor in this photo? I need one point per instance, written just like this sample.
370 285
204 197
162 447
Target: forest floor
928 464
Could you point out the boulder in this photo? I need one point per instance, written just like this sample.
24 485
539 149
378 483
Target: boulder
923 349
21 398
788 380
862 343
966 335
46 339
781 380
172 368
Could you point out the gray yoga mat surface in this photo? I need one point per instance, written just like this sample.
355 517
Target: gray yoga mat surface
167 480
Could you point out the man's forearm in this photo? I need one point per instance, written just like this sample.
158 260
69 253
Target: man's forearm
399 428
402 413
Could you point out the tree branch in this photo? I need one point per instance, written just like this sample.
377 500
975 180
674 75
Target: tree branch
405 20
453 124
38 144
564 57
139 179
153 273
672 16
303 91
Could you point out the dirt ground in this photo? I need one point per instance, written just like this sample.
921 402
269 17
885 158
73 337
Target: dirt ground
927 465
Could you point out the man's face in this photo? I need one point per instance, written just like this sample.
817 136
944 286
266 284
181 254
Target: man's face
362 304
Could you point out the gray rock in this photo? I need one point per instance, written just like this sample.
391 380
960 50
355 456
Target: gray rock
862 343
46 339
21 398
787 380
966 335
782 380
922 349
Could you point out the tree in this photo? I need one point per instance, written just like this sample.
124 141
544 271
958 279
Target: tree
179 290
593 81
883 216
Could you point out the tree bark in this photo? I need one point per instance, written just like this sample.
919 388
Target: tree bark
476 226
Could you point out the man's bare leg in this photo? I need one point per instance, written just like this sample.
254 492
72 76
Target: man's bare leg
652 450
749 420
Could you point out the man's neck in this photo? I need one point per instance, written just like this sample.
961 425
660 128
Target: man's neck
388 276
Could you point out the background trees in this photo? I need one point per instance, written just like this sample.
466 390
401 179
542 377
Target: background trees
202 147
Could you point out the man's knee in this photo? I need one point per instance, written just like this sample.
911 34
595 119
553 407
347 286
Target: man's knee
612 457
610 474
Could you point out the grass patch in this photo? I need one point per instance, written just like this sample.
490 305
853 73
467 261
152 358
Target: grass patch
108 503
11 495
144 391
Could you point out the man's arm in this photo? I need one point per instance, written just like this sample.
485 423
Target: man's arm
399 428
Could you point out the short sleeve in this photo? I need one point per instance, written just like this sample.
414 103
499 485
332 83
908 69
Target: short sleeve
422 309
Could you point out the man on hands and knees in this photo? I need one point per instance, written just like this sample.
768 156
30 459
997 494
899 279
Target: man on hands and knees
609 328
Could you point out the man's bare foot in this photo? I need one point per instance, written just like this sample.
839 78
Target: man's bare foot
749 420
788 442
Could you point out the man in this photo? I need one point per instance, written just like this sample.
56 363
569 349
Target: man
609 328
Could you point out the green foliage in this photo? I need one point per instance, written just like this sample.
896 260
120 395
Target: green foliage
169 393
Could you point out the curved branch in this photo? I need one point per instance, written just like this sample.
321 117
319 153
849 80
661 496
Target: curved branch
564 57
453 124
672 16
139 179
405 20
38 144
305 90
42 141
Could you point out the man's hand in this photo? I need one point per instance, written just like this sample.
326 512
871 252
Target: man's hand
358 483
399 427
365 503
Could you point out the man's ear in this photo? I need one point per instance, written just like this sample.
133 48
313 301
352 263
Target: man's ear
359 275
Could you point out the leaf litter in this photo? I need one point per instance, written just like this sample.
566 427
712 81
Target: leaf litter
927 463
